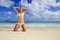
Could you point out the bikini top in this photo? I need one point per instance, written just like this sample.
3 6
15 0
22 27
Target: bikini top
21 14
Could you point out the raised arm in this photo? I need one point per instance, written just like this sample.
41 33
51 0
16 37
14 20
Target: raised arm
15 9
26 9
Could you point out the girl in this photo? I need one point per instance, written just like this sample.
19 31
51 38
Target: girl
20 21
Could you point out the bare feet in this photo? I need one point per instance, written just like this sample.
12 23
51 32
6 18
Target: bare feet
24 30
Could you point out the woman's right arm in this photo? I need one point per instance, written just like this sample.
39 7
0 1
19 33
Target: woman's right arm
15 9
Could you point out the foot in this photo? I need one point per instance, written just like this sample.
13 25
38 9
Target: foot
14 30
24 30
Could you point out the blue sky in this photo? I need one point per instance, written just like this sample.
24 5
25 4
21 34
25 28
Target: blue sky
39 10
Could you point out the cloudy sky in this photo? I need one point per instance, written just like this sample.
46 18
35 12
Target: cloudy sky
39 10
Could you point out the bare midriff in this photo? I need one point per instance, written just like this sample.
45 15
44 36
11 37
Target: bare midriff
21 19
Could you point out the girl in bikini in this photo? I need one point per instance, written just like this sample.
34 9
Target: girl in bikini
20 21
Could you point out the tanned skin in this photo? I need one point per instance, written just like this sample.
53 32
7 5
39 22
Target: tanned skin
19 18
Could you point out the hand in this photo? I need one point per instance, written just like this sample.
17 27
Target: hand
26 9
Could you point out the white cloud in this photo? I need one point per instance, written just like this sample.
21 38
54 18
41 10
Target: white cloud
6 3
9 13
52 3
40 7
24 2
50 14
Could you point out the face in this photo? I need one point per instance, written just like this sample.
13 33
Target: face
21 8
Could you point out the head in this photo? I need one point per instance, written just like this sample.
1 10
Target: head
21 8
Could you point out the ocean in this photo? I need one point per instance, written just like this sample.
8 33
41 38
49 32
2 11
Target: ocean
31 22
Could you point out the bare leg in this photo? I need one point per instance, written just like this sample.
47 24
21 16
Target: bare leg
23 27
16 27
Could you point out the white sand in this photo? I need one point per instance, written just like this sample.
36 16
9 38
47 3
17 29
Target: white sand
51 34
34 32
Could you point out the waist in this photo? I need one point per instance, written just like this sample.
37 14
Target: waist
20 22
20 19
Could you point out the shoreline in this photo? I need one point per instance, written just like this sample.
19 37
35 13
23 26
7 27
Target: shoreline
33 26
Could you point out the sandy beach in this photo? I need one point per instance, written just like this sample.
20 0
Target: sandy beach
34 32
51 34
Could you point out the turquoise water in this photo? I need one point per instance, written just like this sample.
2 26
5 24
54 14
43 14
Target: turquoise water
44 22
31 22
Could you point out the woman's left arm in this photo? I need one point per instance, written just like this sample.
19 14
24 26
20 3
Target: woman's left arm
26 9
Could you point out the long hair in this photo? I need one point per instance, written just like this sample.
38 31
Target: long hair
18 10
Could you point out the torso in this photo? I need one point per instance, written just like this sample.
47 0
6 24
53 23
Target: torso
21 17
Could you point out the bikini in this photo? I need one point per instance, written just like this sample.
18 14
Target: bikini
20 15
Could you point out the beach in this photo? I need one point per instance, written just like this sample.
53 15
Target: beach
31 26
33 32
30 34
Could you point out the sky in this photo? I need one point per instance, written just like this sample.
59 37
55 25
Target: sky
39 10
